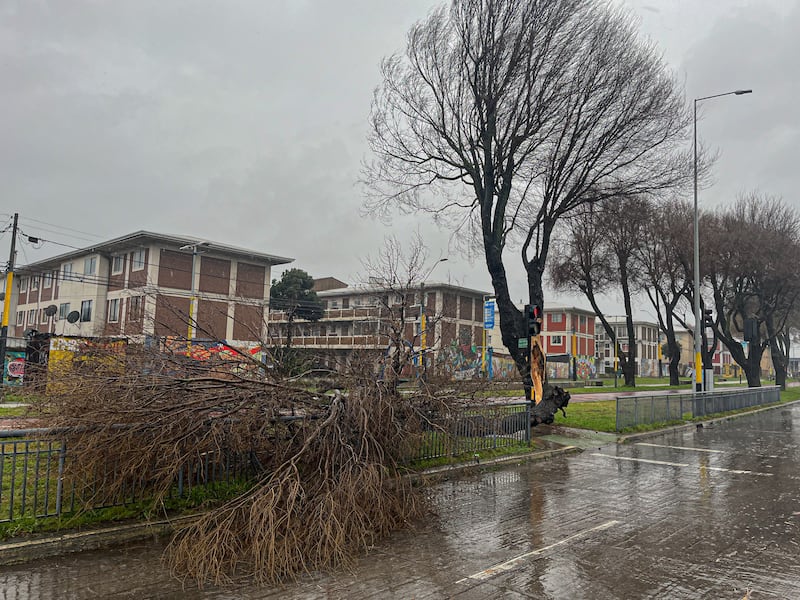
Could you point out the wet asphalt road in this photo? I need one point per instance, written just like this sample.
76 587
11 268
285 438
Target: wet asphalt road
707 513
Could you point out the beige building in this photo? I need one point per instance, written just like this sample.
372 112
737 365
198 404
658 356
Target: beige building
146 285
446 328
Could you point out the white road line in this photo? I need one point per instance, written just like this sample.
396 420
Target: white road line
680 448
644 460
738 471
672 464
510 564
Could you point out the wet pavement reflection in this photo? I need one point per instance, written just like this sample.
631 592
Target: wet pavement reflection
702 513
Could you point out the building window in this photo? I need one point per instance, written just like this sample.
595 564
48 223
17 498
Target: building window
135 305
90 265
63 310
557 317
43 318
66 271
47 280
117 264
86 311
32 317
345 302
583 320
556 340
137 262
23 284
20 318
113 310
34 282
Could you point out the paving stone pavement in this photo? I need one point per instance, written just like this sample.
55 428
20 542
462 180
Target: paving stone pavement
712 512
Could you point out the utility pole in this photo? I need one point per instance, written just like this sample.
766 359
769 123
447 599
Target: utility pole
7 303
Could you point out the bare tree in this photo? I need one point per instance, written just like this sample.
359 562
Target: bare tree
750 258
665 278
599 254
396 275
533 109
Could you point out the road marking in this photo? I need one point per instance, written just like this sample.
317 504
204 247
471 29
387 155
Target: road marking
672 464
680 448
644 460
510 564
738 471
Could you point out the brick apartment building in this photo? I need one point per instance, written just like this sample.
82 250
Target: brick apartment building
141 285
355 319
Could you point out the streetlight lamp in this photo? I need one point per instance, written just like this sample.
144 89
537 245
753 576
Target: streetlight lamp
698 358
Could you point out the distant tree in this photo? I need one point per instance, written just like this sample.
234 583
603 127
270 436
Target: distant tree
293 293
503 116
750 258
396 275
598 254
663 274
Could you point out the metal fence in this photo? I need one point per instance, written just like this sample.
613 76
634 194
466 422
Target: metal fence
472 429
665 408
33 481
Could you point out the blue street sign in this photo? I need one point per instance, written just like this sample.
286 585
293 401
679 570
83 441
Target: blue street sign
488 314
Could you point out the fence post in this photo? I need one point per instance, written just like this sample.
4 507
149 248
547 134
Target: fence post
616 419
528 421
60 481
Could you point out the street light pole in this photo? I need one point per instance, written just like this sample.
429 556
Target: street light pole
423 320
191 329
698 357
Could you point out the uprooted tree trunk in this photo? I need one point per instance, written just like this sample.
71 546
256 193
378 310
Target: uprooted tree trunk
323 473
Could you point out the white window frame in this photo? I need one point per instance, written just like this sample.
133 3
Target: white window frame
113 310
114 259
84 305
138 264
62 314
66 270
556 340
47 280
90 265
23 284
557 318
43 318
34 283
31 317
20 318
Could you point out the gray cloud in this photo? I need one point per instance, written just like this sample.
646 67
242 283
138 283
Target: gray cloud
244 121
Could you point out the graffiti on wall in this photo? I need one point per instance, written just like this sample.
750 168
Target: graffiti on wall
585 368
14 367
460 361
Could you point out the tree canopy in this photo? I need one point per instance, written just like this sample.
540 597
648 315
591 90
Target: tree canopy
503 116
294 293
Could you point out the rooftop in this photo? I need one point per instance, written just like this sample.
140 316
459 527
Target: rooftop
140 238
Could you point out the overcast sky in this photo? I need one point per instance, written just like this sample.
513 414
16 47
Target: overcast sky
245 121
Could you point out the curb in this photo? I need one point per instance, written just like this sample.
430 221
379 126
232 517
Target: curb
446 472
624 439
64 543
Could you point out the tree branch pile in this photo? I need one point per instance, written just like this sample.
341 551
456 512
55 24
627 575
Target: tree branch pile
326 483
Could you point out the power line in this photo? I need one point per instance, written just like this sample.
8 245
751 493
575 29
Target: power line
63 227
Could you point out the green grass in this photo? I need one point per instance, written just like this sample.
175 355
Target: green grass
515 447
601 416
199 498
597 416
6 411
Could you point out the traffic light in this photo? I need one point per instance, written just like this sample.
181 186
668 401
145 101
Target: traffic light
533 316
708 318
